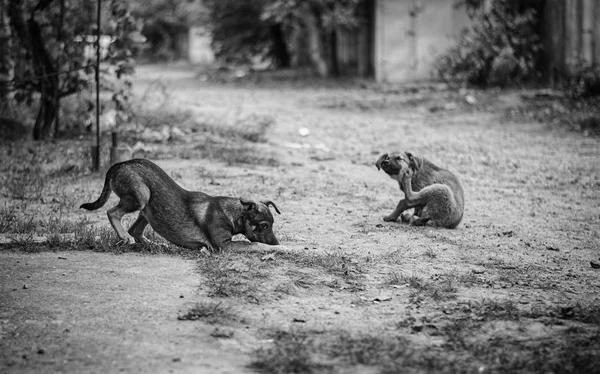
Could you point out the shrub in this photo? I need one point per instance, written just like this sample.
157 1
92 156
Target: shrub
586 82
502 46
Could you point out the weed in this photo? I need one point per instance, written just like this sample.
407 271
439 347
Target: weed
221 333
585 313
291 352
336 263
488 309
287 288
462 350
569 351
227 277
210 312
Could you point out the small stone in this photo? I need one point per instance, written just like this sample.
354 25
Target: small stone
418 327
595 264
25 287
41 351
470 99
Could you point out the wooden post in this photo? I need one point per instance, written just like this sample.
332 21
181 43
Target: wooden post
96 148
571 35
596 34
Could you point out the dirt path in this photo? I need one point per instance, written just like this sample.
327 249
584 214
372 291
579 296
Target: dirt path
90 312
530 230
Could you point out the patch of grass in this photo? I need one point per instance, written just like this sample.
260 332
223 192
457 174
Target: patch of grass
230 275
30 235
568 351
291 352
441 287
579 312
336 263
231 137
209 312
463 351
235 153
491 309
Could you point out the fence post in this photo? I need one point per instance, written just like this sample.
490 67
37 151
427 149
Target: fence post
596 33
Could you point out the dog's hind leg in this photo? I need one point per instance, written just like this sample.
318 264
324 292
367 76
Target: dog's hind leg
414 199
137 229
128 204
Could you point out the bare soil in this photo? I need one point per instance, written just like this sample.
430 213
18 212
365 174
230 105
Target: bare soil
511 287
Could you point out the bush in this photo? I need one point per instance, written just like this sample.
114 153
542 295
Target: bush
586 82
502 46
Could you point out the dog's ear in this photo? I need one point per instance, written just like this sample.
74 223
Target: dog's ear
380 160
413 161
249 205
270 203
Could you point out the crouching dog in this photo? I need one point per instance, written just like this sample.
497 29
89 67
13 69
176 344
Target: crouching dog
435 193
189 219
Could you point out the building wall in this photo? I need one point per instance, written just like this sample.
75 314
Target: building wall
571 35
199 51
406 46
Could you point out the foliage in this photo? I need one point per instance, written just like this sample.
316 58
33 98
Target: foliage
266 28
586 82
238 30
331 13
53 52
164 21
502 46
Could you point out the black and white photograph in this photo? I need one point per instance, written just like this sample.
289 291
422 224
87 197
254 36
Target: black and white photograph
300 186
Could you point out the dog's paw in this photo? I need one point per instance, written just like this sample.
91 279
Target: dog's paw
390 218
281 248
128 240
405 217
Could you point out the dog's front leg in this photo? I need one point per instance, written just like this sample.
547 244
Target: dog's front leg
253 247
221 239
401 207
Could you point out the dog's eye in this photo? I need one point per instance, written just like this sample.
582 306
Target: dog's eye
263 226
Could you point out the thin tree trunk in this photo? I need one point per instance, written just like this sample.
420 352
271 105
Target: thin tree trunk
7 63
596 34
280 49
30 35
48 78
315 42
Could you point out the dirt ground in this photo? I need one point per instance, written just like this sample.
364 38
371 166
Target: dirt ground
512 286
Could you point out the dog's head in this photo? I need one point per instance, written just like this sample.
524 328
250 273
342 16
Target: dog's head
396 164
259 221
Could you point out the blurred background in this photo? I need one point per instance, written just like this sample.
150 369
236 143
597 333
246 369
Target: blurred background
49 50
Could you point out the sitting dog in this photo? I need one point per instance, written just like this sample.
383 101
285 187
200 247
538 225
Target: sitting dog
185 218
435 193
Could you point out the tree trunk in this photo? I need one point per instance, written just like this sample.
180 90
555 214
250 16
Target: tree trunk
30 35
280 49
7 63
315 42
46 72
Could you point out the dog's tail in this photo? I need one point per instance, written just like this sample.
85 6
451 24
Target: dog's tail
103 196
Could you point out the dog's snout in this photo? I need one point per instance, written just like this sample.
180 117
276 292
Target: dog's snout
271 239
